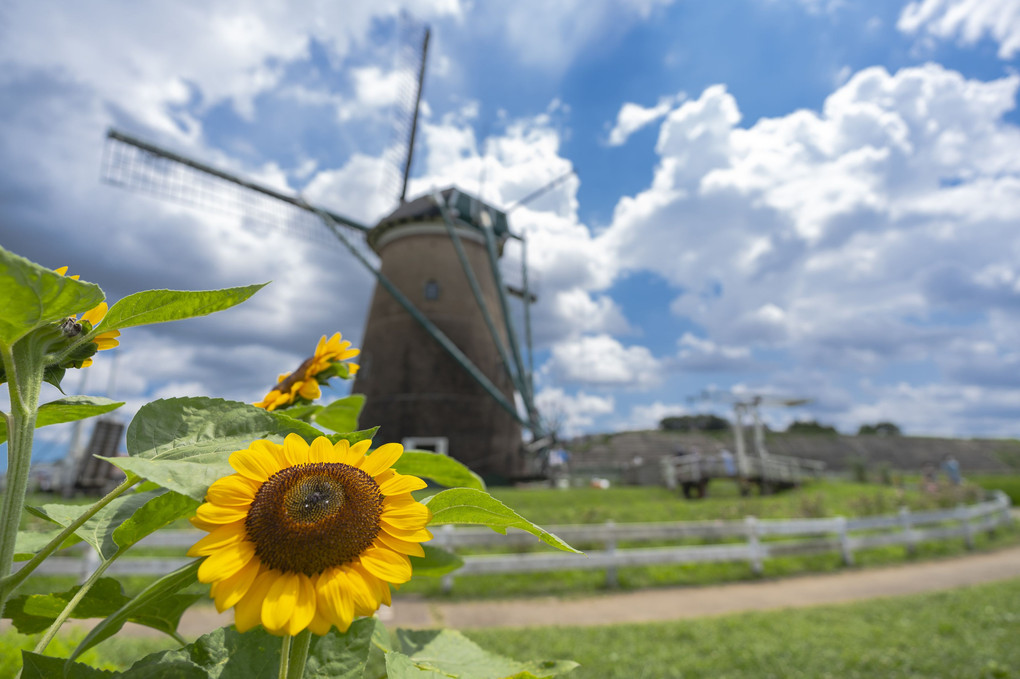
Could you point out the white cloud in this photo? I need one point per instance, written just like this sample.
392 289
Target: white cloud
602 360
569 415
633 117
700 354
829 234
966 20
649 415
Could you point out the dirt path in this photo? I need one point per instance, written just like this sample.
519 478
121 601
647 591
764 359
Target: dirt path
680 602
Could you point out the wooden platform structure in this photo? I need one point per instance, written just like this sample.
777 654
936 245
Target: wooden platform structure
770 473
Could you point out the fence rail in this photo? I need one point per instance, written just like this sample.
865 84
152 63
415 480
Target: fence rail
761 539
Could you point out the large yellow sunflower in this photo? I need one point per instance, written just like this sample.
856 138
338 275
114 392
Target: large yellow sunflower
309 536
302 383
104 340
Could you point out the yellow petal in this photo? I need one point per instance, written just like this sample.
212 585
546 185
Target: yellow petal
309 390
219 514
295 449
382 458
321 450
363 592
203 525
409 534
95 314
380 591
335 598
398 545
257 462
386 565
62 270
248 611
400 483
228 592
319 625
233 490
345 453
226 562
289 605
221 537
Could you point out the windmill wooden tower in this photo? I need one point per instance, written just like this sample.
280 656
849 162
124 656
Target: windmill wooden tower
441 364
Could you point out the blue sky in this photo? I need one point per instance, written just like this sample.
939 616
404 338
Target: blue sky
813 198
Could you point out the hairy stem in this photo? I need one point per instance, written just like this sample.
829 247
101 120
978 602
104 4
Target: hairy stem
24 378
299 654
9 583
69 608
285 657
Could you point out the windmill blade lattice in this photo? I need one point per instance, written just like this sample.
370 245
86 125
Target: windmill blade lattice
145 168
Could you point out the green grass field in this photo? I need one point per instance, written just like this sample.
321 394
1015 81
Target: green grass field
964 633
968 632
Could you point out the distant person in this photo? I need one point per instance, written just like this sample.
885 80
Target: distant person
728 463
952 469
929 479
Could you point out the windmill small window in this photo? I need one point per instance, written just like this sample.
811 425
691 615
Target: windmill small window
431 289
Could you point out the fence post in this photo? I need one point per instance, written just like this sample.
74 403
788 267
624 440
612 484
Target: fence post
968 530
844 541
908 531
1007 514
446 542
89 563
612 579
754 544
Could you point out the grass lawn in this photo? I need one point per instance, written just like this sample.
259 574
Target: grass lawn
969 632
964 633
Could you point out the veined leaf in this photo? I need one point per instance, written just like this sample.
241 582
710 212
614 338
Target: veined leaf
155 606
354 436
36 666
68 409
222 654
124 521
32 296
436 562
160 306
352 655
34 613
29 542
450 653
466 505
341 415
184 443
442 469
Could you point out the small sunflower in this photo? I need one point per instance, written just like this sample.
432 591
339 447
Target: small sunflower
303 383
309 536
104 340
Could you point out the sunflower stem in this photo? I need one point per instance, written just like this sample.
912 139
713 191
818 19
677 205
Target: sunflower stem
69 608
24 367
285 657
299 654
9 583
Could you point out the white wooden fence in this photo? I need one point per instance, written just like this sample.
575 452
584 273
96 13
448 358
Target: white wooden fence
760 539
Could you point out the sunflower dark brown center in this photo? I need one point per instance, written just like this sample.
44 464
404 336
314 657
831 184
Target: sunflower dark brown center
311 517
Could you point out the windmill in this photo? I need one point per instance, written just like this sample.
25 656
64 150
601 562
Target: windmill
442 367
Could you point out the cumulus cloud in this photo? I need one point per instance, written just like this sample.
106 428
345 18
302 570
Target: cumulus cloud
602 360
968 21
633 117
571 414
830 233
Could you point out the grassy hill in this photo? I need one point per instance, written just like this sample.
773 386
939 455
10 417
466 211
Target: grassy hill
614 452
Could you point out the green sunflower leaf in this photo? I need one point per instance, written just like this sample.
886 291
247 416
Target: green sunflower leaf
222 654
436 562
354 436
184 443
33 296
442 469
36 666
68 409
34 613
355 654
446 653
124 521
29 542
160 306
159 606
341 415
466 505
